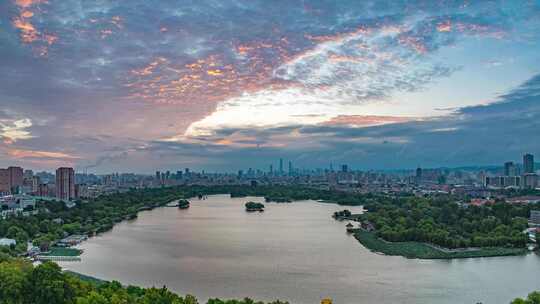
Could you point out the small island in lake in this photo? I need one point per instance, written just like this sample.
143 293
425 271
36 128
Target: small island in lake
253 206
183 204
342 215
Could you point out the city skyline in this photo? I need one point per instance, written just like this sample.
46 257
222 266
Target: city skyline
113 87
67 185
509 168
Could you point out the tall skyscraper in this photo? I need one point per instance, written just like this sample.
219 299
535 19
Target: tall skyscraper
11 179
528 163
4 180
290 168
36 181
344 168
65 184
418 175
28 174
15 178
509 169
281 165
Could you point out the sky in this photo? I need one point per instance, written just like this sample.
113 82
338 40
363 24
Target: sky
221 85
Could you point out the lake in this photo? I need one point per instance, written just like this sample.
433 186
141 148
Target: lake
294 252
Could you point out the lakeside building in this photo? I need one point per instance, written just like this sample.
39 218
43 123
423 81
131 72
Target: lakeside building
72 240
7 242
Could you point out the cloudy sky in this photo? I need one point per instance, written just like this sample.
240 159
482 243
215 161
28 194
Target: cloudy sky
220 85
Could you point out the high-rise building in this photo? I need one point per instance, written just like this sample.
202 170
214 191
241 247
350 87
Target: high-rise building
281 165
43 190
15 178
418 175
290 168
28 174
530 181
65 184
528 163
4 180
509 169
36 181
11 179
344 168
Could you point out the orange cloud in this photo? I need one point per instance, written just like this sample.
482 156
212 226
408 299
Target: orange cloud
413 42
28 3
18 153
366 120
445 26
28 32
27 14
214 72
210 79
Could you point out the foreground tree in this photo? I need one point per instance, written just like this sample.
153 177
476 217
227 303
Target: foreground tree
48 285
532 298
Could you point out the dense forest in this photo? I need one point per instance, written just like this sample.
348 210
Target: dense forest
22 283
443 222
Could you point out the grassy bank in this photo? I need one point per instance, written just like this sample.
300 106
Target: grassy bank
86 278
415 250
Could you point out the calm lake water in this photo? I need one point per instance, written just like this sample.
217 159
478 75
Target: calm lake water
293 252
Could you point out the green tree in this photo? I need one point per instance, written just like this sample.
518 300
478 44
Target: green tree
12 280
532 298
160 296
93 298
48 285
